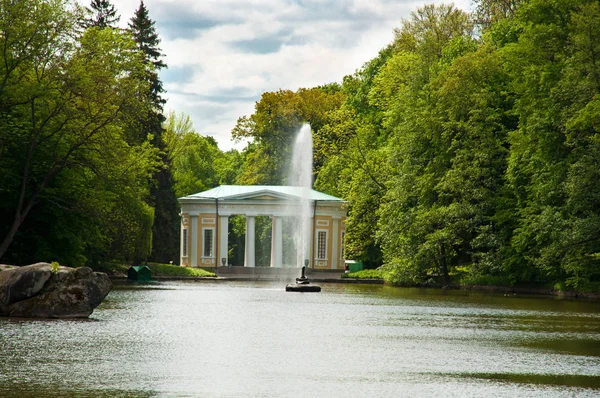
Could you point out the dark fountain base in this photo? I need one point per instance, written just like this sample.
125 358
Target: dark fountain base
302 285
302 288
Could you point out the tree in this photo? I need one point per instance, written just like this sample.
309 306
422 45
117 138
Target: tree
277 119
192 156
145 35
397 152
355 166
554 152
427 32
61 104
165 246
103 15
488 12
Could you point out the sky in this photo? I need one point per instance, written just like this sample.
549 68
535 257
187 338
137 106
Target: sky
223 54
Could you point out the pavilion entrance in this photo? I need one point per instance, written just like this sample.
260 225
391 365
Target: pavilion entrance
263 242
212 223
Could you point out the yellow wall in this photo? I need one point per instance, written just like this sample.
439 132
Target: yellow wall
326 224
206 221
323 223
341 229
186 223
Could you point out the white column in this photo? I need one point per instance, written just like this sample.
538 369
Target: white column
335 244
276 242
223 239
250 257
182 243
309 248
194 242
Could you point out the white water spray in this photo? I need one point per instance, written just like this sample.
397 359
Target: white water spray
300 176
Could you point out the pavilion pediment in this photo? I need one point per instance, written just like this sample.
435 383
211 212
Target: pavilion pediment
266 197
267 193
262 195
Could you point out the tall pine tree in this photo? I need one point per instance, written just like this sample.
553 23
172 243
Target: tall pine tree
144 34
165 231
103 15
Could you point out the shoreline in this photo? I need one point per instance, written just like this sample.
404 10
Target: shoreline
160 278
528 291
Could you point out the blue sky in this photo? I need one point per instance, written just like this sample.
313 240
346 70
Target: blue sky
222 55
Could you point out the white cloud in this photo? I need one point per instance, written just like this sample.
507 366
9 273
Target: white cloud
224 54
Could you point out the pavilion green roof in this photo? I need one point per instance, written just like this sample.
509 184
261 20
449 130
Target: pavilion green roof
241 192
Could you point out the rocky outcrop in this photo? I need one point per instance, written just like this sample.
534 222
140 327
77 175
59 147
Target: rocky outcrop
35 291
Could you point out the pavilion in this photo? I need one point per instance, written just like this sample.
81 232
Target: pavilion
205 219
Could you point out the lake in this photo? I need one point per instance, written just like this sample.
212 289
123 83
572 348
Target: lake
251 339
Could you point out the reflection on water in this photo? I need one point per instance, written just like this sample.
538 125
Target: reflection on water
254 339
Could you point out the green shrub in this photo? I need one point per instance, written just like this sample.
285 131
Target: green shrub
174 270
55 266
364 274
581 285
487 280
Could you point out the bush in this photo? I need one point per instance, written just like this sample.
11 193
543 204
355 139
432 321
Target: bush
487 280
364 274
174 270
401 272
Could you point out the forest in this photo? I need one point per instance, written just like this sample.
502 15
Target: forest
468 149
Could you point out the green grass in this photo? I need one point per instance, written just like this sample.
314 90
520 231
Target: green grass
174 270
364 274
158 269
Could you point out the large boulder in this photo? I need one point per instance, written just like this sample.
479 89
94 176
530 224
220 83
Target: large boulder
35 291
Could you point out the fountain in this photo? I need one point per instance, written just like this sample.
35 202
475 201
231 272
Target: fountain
302 284
300 176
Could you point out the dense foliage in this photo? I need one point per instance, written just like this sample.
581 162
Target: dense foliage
73 186
468 149
165 229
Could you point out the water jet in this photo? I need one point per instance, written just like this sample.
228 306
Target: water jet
300 175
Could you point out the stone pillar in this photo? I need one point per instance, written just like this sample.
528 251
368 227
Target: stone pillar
311 247
276 242
335 244
194 242
184 241
223 239
250 257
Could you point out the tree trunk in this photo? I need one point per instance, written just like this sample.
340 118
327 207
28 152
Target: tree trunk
10 236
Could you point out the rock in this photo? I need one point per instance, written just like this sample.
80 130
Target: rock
34 291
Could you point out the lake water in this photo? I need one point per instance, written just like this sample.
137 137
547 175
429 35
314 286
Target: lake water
243 339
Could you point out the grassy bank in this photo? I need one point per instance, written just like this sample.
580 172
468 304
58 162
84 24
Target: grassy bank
174 270
158 270
364 274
